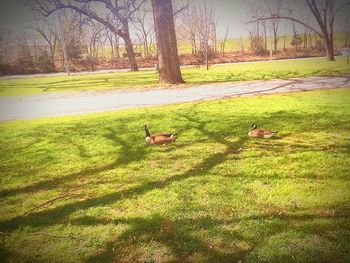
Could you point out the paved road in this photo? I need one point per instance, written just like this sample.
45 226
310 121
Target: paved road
59 104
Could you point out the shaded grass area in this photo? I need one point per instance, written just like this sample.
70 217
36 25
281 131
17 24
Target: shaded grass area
213 196
144 79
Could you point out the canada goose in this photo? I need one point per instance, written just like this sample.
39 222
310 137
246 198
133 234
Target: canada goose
159 138
260 133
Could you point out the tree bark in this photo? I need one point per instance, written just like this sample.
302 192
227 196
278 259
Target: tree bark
129 48
275 43
329 49
168 60
275 36
131 54
322 22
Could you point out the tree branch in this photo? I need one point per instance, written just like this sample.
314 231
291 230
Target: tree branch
81 10
46 8
288 18
182 8
340 7
135 8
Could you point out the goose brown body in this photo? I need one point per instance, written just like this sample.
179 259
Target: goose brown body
160 137
260 133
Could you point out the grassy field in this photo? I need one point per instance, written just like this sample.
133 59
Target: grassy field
232 44
88 189
137 80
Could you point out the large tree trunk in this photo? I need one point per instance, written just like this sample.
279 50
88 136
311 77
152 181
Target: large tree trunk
129 48
329 49
325 23
168 60
52 57
131 54
330 45
275 43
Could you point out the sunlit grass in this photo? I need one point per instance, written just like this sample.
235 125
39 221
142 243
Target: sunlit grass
213 196
145 79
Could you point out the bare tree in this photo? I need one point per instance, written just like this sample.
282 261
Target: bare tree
258 10
324 12
48 31
144 30
205 32
5 44
152 44
62 40
189 28
223 43
199 27
257 43
208 22
264 26
213 24
241 43
274 8
306 38
94 38
168 60
122 11
25 60
297 40
114 43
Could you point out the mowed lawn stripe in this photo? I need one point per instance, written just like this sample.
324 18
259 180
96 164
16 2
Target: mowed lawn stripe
145 79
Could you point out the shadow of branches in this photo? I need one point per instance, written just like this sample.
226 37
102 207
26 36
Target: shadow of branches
59 213
173 233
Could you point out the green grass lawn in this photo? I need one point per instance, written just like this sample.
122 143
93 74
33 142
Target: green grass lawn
88 189
232 44
132 80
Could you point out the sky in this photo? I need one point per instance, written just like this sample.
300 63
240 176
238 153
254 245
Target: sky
231 13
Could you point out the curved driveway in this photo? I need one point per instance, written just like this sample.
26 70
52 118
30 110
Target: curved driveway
59 104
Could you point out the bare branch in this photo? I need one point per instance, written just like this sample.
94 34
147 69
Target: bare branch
340 8
181 9
287 18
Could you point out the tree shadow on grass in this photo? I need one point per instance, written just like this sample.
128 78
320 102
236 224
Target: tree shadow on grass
283 147
181 236
230 76
8 256
176 240
145 229
56 215
167 239
128 154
